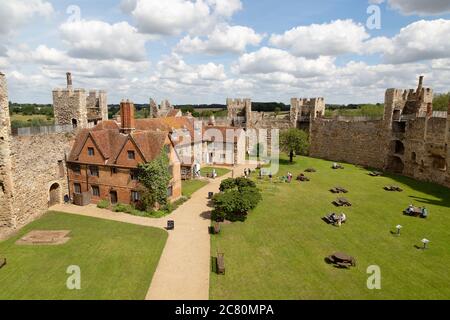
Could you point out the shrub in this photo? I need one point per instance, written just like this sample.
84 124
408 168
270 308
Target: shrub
227 184
234 204
120 207
103 204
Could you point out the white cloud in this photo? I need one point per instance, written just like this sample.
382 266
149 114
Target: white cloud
331 39
15 13
223 39
174 68
225 8
421 7
93 39
171 17
270 60
421 40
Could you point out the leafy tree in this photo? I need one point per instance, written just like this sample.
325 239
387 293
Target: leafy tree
440 102
237 198
277 111
155 178
294 141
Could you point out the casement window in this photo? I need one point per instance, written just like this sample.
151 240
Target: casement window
93 171
76 168
91 152
170 191
131 155
135 196
134 174
113 170
95 191
77 188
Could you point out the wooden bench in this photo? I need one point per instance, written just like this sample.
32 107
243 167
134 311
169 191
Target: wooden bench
220 263
2 262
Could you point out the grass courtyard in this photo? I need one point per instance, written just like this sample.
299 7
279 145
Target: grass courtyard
188 187
117 260
279 251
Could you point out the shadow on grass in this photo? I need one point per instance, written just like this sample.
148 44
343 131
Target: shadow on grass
441 193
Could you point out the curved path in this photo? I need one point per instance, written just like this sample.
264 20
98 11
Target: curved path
184 267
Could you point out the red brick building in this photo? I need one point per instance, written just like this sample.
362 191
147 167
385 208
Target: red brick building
103 161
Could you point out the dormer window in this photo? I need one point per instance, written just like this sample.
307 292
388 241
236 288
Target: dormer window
90 152
131 155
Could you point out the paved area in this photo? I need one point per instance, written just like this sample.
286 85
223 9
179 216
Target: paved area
184 267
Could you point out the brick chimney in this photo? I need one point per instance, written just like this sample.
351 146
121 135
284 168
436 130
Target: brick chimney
127 116
69 80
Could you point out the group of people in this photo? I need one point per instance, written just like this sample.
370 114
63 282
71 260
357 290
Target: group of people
338 219
411 210
247 172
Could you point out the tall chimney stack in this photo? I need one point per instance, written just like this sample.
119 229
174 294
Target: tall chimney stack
69 80
127 116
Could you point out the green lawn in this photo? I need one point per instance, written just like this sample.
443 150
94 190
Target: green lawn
117 260
188 187
220 171
278 253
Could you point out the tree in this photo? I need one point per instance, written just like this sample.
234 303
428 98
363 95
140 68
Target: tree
237 197
440 102
294 141
155 178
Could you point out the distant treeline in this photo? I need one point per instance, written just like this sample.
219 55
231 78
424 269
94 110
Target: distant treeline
28 109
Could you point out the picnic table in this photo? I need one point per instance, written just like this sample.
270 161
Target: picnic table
342 259
393 188
416 211
338 190
339 202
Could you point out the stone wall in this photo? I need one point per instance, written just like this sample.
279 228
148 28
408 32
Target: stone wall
357 142
38 162
6 185
70 105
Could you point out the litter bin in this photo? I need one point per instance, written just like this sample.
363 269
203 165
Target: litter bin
170 225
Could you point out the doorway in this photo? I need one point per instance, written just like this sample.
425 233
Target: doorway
113 197
55 194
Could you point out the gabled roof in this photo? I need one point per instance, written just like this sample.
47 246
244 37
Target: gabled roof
110 142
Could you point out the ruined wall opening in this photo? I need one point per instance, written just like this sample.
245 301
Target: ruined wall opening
397 147
399 127
439 163
74 123
395 164
55 194
414 157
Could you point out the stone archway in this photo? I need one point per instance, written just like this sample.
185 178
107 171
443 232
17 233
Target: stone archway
395 164
54 194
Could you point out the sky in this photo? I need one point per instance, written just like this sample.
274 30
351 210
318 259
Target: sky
203 51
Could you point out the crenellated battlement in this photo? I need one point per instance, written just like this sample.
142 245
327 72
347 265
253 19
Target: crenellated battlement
79 107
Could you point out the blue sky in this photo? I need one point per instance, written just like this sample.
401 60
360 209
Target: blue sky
203 51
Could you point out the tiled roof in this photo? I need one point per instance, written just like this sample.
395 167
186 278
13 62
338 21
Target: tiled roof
110 141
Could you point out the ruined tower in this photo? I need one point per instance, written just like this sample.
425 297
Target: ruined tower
239 112
6 185
73 107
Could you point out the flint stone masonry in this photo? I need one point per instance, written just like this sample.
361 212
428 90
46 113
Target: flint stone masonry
345 141
38 162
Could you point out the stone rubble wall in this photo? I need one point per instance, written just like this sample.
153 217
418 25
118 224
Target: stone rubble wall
362 142
34 169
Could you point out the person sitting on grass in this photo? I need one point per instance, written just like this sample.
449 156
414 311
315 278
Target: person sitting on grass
410 209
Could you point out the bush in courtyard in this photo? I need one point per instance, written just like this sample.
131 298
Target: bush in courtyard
227 184
237 198
103 204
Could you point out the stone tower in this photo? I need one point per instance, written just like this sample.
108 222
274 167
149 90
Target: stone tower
75 107
6 185
237 109
69 105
